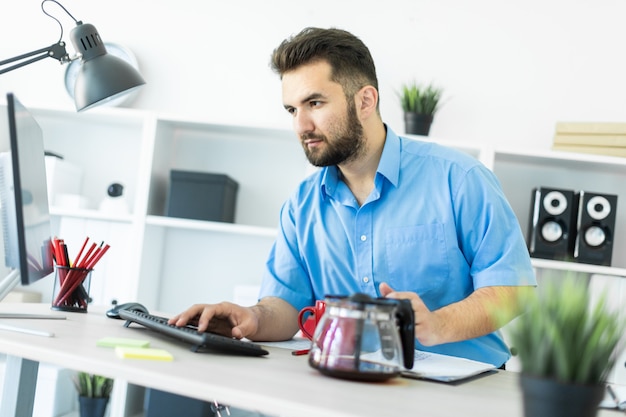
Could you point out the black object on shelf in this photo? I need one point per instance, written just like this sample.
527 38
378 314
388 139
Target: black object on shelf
574 226
115 190
597 214
202 196
552 225
165 404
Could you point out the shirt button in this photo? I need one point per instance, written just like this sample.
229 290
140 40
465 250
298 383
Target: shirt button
363 238
366 280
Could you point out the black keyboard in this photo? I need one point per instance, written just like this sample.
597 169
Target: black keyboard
189 334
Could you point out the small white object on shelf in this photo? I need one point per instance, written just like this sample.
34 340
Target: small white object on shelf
115 202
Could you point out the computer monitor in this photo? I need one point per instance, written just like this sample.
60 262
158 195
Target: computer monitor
24 209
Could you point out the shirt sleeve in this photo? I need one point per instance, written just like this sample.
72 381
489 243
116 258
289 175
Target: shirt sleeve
489 233
284 275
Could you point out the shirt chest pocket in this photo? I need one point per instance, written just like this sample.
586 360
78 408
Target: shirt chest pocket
416 258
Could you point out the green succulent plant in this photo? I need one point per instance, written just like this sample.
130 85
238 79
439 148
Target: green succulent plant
91 385
563 335
416 98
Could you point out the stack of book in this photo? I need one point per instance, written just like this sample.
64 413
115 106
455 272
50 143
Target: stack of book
595 138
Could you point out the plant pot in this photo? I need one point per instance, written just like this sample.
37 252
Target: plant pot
550 398
92 406
417 124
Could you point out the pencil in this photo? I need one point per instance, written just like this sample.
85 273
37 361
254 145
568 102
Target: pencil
80 252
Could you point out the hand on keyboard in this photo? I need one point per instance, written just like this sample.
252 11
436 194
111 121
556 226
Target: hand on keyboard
190 334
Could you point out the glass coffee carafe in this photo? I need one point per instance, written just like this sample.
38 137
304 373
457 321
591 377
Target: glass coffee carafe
364 338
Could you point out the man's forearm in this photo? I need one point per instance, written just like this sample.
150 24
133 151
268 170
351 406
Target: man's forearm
475 316
277 320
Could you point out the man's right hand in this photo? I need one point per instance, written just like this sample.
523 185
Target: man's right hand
271 319
224 318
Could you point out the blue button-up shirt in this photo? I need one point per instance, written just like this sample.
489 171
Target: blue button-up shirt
436 223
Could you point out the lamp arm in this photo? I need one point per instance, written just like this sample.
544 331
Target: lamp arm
56 51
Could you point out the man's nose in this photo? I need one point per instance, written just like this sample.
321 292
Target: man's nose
302 124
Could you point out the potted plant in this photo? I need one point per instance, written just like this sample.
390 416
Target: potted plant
419 103
566 345
93 393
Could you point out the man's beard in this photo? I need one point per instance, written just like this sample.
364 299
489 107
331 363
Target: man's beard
346 143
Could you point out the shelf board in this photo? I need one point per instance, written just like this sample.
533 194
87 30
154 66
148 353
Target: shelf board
91 214
201 225
578 267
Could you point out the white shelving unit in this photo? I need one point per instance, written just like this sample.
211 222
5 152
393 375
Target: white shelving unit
170 263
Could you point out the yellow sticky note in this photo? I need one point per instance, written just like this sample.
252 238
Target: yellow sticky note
119 341
143 353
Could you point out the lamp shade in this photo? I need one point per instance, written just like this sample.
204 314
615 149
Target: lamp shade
101 77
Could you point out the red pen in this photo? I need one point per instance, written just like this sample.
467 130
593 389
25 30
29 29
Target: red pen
300 352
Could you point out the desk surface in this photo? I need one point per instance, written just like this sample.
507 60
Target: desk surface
279 384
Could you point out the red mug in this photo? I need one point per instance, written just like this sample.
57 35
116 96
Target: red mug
308 318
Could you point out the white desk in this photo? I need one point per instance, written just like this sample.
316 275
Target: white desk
279 384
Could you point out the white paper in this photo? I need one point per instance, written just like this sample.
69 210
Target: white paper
434 366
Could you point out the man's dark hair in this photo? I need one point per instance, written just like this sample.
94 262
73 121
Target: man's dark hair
351 62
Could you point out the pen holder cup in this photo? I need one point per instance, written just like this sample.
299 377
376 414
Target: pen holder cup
71 289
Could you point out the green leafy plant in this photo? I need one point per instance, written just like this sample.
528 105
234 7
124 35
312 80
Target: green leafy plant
563 335
416 98
91 385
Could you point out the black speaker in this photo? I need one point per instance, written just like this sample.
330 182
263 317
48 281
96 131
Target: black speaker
596 228
552 228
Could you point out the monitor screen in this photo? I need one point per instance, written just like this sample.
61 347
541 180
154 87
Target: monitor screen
23 196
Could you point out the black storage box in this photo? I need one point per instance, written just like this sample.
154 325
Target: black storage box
165 404
202 196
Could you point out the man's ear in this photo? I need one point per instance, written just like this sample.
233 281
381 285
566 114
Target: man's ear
367 101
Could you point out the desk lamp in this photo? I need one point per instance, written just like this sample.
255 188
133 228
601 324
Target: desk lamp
101 77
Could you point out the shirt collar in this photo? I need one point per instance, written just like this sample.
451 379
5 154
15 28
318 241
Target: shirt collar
388 166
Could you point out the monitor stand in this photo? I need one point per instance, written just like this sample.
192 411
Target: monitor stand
6 285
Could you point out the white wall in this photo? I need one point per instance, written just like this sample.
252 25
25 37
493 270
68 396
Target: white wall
510 69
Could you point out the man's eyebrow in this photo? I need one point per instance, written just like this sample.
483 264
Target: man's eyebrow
312 96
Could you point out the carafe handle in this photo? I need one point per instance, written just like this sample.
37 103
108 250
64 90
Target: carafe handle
406 322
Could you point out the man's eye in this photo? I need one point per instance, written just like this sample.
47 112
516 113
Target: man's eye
291 110
315 103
